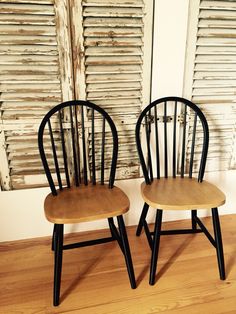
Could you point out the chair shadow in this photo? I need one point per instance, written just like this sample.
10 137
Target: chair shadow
81 276
230 263
167 264
174 257
141 276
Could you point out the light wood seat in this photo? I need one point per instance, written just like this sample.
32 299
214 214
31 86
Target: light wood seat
85 203
181 194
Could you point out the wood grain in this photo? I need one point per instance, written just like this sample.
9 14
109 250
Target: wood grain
85 203
181 194
95 281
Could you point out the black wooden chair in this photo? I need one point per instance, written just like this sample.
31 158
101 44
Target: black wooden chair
175 143
81 170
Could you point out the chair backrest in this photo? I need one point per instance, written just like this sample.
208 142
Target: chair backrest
175 139
78 144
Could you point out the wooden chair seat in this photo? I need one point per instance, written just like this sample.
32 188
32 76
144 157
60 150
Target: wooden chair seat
181 194
85 203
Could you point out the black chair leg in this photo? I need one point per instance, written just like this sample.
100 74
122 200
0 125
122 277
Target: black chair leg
53 237
193 215
155 248
110 223
114 233
126 251
142 218
58 246
219 244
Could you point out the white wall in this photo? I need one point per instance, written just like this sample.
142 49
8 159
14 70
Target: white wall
21 212
22 215
170 32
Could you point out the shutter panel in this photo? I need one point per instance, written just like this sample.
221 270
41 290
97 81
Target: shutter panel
211 75
113 61
110 51
30 84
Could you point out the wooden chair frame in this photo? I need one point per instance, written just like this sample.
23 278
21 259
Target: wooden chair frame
197 226
119 234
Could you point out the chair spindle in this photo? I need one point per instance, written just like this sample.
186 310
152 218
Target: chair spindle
174 141
64 150
74 148
103 150
84 148
77 143
157 142
183 142
193 146
148 131
55 155
93 151
165 142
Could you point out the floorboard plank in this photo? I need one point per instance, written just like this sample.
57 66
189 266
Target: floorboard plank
95 281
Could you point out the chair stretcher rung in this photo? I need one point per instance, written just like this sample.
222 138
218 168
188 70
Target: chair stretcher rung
179 231
88 243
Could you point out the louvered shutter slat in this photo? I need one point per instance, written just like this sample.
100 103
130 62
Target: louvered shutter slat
114 22
27 8
28 1
111 3
102 51
218 5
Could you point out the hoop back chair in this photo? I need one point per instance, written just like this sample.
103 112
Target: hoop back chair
173 152
80 171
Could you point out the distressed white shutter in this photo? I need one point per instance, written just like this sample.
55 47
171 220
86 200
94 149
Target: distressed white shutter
210 79
112 66
34 76
109 55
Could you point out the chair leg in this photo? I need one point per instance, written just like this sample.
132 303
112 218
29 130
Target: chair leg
114 233
155 248
53 237
126 248
193 215
219 244
110 223
58 246
142 218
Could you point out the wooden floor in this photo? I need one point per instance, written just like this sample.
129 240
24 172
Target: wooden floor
95 280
